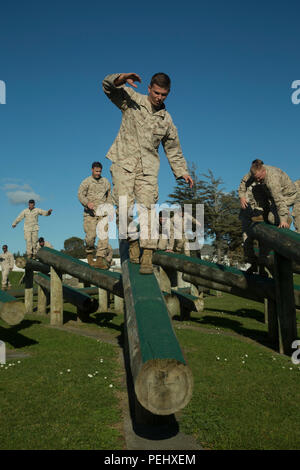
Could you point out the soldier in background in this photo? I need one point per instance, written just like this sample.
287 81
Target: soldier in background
31 226
283 192
134 154
93 192
42 242
7 264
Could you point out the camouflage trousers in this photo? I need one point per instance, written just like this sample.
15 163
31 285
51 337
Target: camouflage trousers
31 238
5 274
128 188
90 228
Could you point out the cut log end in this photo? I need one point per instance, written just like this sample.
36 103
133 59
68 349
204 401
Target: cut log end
12 312
20 262
164 386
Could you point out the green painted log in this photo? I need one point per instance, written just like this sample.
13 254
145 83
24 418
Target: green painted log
225 275
11 310
73 296
111 281
162 380
33 264
283 241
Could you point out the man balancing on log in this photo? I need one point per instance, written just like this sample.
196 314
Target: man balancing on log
31 226
134 155
93 192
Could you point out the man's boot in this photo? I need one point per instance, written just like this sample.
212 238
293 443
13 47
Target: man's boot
253 269
134 252
257 216
101 263
90 259
146 262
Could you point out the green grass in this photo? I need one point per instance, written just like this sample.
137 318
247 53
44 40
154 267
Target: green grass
245 394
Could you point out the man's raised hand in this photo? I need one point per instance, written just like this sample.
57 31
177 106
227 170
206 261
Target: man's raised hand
129 78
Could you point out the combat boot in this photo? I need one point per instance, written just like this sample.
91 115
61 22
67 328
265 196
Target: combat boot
90 259
134 252
253 269
101 263
146 262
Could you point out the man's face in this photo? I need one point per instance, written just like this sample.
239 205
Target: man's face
96 172
157 95
4 248
31 205
42 243
260 175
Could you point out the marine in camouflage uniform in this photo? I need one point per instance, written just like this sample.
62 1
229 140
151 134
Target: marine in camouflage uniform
94 192
42 242
282 191
134 154
31 226
7 264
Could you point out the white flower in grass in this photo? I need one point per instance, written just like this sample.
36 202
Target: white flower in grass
217 358
110 385
90 376
68 370
101 360
19 362
105 378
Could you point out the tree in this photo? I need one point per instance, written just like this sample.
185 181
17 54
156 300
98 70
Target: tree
221 210
74 246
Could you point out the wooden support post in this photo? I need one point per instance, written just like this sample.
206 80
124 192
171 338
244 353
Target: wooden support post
119 304
56 297
285 303
42 301
102 300
272 320
28 299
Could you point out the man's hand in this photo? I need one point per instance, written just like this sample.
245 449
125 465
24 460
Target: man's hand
188 180
13 225
50 211
90 206
243 202
129 78
283 225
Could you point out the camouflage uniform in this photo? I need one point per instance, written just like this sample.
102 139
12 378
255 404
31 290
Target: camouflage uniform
46 245
284 193
31 227
96 191
7 264
134 153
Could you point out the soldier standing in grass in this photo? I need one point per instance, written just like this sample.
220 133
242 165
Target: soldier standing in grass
93 192
31 226
7 263
134 154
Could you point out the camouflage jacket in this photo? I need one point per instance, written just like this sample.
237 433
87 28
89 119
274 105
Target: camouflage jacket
141 132
31 218
7 260
256 193
94 190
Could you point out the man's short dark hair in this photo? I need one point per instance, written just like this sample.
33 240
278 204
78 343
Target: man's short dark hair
4 246
31 201
162 80
41 239
97 165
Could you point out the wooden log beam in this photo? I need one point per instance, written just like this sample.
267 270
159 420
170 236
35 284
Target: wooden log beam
33 264
108 280
11 310
73 296
283 241
162 380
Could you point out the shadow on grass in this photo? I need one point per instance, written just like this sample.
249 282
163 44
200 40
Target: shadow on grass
13 336
259 336
241 312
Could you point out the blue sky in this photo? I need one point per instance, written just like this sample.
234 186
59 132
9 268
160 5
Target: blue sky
232 64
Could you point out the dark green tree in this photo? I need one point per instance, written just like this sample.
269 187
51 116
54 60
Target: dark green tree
74 246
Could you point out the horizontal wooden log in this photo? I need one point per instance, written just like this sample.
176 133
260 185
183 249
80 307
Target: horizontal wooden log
215 272
11 310
250 294
111 281
283 241
73 296
162 380
33 264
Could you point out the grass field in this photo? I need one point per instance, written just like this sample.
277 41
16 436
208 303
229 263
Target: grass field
69 391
